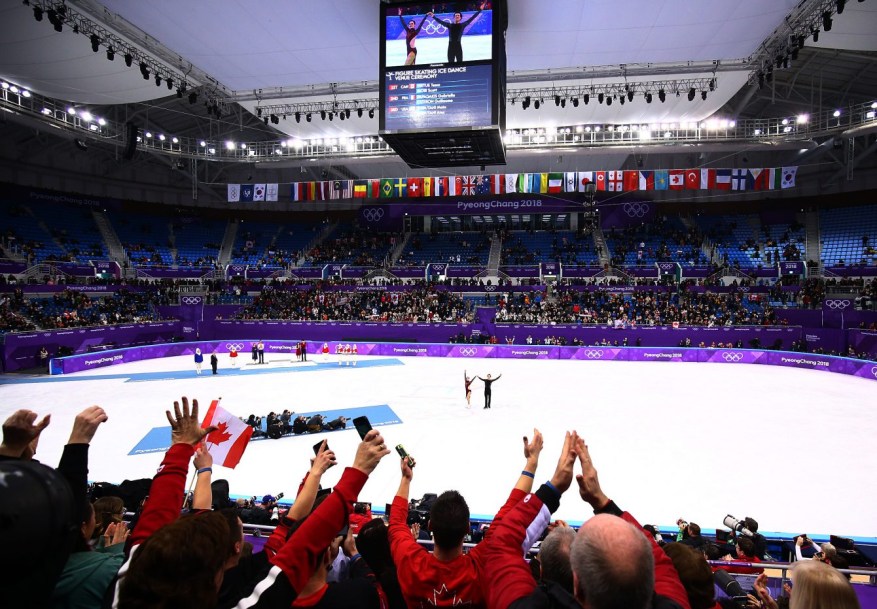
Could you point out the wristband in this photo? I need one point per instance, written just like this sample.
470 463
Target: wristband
355 557
205 469
528 474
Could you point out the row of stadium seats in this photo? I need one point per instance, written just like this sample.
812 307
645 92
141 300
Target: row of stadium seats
55 231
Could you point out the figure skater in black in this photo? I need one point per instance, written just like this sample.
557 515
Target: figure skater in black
487 383
468 381
411 33
455 33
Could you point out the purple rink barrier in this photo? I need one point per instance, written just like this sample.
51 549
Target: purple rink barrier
840 365
21 349
43 288
571 271
408 272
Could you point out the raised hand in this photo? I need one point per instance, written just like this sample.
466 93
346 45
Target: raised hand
323 461
532 449
407 465
348 546
589 483
185 428
562 477
85 425
202 457
116 533
415 530
760 587
20 434
370 452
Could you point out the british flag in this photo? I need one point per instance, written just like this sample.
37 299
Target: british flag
468 185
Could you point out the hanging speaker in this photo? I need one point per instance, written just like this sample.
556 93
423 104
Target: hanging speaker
130 141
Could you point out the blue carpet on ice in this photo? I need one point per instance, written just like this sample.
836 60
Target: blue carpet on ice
158 439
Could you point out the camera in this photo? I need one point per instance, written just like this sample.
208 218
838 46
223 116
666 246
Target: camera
279 496
737 525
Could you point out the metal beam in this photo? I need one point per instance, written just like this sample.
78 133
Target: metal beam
843 170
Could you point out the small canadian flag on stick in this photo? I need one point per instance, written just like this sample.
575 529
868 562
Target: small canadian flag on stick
227 444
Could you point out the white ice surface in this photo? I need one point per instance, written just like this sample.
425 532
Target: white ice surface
792 448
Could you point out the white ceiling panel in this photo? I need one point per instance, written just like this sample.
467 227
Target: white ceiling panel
854 30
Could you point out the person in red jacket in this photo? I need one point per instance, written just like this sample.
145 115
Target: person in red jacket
179 562
615 562
446 577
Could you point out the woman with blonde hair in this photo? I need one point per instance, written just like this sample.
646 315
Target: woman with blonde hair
816 586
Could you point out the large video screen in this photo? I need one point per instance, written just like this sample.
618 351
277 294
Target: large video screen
437 33
438 68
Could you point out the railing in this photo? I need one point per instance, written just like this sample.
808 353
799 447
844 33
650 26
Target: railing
78 122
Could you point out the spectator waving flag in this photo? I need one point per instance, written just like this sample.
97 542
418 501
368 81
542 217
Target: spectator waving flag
227 444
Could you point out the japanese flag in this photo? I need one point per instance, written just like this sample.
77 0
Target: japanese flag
227 444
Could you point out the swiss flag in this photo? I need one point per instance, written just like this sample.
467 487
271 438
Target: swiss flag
677 179
631 180
692 179
415 187
615 180
227 444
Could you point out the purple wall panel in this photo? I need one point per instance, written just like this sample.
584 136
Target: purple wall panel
21 349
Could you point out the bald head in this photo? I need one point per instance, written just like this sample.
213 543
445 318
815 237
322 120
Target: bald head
612 565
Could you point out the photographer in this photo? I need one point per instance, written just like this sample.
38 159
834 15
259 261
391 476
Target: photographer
826 552
689 534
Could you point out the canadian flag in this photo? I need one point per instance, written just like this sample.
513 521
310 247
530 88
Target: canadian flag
677 179
227 443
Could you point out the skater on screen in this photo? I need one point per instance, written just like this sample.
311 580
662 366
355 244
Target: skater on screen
487 392
468 381
455 33
411 33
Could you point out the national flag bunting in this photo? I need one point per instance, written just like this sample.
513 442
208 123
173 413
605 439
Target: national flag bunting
234 193
677 179
555 182
497 184
247 193
662 179
615 181
482 185
692 179
739 178
360 189
631 180
585 178
259 192
570 182
647 180
415 188
271 192
227 443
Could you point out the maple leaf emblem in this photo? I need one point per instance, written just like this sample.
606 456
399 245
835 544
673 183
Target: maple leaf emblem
220 435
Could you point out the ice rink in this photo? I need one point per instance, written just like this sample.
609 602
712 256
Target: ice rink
792 448
435 50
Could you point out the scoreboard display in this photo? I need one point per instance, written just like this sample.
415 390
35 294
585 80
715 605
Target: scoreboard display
439 67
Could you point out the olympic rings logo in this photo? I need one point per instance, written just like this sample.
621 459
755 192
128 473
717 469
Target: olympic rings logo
234 346
468 351
490 288
636 210
590 354
730 356
191 300
744 289
372 214
874 371
837 304
434 27
665 266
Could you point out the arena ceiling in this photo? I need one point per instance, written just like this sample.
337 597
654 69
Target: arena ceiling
259 52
